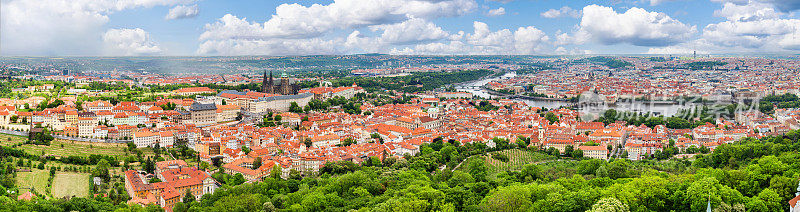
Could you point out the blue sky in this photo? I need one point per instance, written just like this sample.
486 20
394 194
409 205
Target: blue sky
252 27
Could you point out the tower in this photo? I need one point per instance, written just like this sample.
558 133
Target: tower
264 82
285 86
271 85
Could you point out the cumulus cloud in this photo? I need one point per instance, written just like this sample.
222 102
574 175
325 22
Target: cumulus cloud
751 27
636 26
524 40
182 11
411 31
129 42
497 12
563 12
62 27
749 12
297 21
400 22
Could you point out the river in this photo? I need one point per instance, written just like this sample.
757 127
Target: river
476 88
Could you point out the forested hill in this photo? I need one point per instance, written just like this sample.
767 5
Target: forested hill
752 174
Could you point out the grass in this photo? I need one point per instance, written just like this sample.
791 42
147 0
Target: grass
67 184
36 179
15 139
76 148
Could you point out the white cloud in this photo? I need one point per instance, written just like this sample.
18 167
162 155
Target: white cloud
748 12
563 12
129 42
525 40
411 31
296 21
497 12
182 11
401 22
62 27
636 26
751 27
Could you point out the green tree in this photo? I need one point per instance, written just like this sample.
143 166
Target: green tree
507 199
101 170
257 163
188 197
609 204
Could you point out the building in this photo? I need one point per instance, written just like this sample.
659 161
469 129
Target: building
596 152
279 103
176 179
145 138
203 114
192 91
286 87
227 112
244 166
794 203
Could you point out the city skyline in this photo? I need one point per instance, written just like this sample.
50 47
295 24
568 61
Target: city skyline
409 27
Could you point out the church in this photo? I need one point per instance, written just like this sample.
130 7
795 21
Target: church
286 86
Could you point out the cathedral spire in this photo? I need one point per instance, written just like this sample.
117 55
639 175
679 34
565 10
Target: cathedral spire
264 82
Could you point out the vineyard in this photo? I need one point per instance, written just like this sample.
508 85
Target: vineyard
516 159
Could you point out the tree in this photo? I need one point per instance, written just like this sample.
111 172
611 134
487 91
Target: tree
102 169
294 108
276 172
609 204
551 117
725 207
568 150
149 166
512 198
268 207
179 207
257 163
478 170
578 153
188 197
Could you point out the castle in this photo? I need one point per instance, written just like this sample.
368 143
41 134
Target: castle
286 87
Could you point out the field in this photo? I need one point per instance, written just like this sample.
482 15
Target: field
71 184
14 139
36 179
516 159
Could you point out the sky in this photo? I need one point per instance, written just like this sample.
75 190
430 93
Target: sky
404 27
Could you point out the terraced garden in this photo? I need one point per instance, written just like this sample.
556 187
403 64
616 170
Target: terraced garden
516 159
8 140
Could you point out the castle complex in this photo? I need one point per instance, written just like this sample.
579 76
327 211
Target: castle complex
286 87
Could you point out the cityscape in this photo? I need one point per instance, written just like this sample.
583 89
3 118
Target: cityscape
646 105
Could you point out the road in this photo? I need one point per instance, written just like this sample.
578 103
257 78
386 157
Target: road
13 132
95 140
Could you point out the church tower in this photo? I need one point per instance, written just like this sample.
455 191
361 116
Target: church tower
264 82
271 85
286 88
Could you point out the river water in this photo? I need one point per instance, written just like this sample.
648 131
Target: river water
633 106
